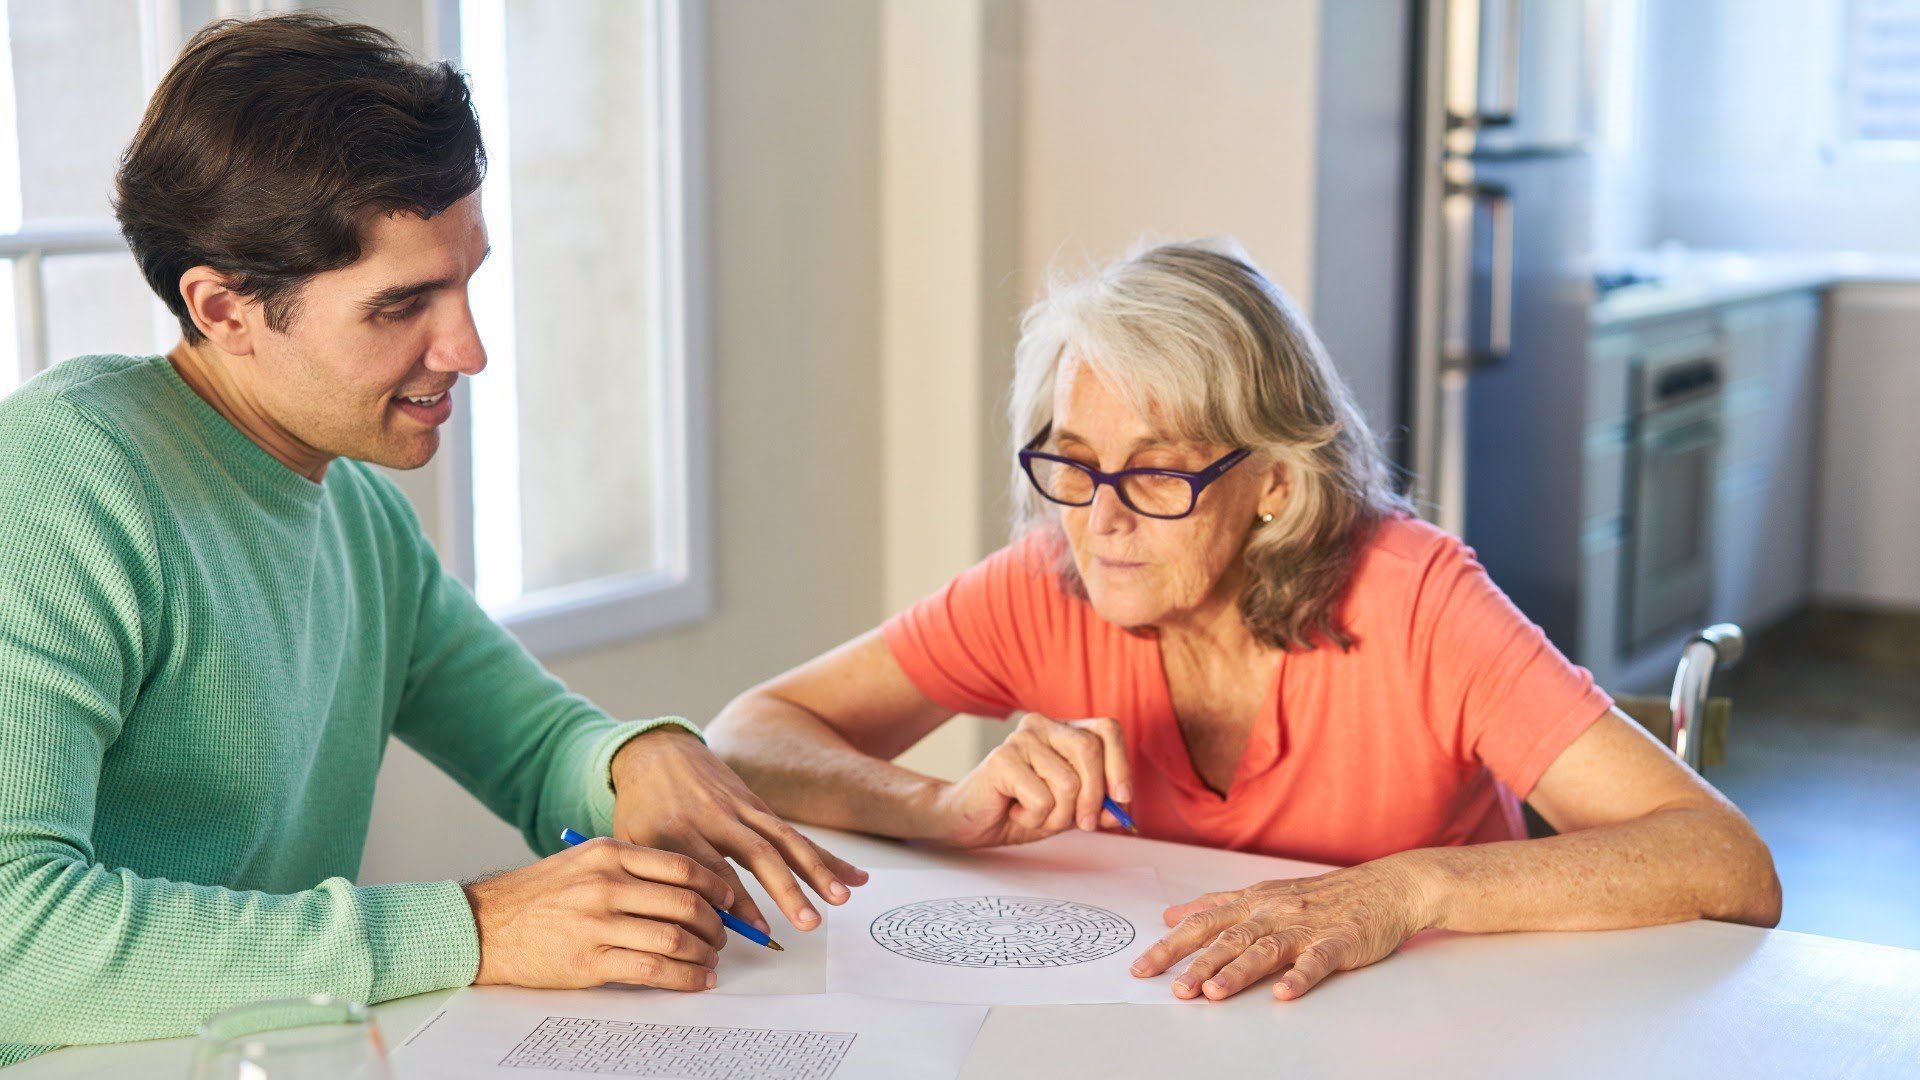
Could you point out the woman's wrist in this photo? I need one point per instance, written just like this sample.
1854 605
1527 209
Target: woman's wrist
1428 885
925 814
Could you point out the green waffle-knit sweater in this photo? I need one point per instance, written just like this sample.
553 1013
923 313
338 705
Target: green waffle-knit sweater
202 654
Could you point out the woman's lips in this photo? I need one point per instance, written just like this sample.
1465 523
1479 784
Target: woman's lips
1118 566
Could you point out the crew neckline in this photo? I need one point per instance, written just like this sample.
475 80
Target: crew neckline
238 448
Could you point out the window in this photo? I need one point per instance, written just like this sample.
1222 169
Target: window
578 466
1881 83
582 486
74 78
1619 54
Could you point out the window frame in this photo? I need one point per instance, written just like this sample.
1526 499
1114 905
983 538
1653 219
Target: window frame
1848 144
28 247
679 589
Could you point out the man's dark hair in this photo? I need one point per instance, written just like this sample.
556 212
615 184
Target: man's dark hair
268 143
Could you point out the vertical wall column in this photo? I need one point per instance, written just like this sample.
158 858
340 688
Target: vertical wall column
947 193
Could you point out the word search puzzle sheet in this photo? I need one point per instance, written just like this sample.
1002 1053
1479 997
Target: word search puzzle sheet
1010 937
504 1032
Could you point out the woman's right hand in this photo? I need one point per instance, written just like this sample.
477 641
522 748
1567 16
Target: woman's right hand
1047 777
602 912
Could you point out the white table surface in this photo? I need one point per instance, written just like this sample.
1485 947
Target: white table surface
1698 999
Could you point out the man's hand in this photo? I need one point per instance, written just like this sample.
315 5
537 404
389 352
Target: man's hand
599 913
670 792
1047 777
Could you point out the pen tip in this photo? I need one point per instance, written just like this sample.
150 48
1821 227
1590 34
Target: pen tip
775 946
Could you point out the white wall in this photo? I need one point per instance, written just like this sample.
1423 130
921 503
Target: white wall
1740 116
948 188
1170 119
793 100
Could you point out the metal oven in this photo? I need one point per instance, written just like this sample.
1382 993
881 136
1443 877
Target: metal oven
1676 448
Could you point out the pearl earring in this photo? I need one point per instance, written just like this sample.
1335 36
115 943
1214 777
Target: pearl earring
1266 519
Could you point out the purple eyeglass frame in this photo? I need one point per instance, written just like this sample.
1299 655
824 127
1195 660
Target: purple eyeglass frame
1198 481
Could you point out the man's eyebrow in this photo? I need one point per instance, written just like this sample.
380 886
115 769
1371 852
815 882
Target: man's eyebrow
394 294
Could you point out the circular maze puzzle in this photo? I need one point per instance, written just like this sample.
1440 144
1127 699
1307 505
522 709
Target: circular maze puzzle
1002 932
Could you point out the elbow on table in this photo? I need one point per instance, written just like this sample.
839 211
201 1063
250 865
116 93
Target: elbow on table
1753 895
40 996
1766 898
731 731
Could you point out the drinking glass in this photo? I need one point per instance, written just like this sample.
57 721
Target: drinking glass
300 1038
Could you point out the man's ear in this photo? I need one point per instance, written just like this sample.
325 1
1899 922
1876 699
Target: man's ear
219 312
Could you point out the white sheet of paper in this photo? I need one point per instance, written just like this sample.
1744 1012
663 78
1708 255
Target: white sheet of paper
624 1031
1005 937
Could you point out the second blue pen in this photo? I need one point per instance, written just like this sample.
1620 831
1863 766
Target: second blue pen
727 918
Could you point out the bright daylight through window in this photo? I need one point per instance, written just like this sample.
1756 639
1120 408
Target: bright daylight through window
579 462
575 459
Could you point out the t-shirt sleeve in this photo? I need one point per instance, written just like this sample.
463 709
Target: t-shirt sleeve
980 644
1497 691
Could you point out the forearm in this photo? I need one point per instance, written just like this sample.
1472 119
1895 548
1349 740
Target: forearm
807 771
1667 866
99 955
484 711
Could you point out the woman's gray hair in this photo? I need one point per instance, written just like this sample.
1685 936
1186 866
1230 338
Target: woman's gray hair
1196 338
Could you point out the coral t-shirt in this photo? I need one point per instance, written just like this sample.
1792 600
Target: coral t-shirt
1427 731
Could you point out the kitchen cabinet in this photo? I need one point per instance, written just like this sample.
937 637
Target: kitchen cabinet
1764 497
1869 499
1759 360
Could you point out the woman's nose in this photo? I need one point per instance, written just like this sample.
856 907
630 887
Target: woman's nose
1107 512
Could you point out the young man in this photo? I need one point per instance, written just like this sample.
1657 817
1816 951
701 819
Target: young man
213 614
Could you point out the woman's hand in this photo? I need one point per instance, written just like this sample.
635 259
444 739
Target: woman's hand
1307 927
1047 777
671 793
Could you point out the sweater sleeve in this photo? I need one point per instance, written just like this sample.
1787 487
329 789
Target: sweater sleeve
483 710
97 953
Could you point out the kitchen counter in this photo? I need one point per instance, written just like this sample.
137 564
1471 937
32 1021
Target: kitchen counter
1692 280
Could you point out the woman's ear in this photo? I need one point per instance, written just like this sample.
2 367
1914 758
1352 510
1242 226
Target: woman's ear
1275 494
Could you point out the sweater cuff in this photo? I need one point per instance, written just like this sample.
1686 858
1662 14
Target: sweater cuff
420 936
600 791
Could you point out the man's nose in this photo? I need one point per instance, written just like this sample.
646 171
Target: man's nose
457 348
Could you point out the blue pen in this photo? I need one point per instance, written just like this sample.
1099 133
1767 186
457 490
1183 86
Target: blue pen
731 921
1119 815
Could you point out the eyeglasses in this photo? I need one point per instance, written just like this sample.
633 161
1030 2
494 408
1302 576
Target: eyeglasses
1156 493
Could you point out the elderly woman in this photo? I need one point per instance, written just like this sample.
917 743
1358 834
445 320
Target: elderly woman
1217 611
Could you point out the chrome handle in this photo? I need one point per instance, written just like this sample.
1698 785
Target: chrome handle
1489 96
1506 79
1718 646
1695 436
1500 315
1460 212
